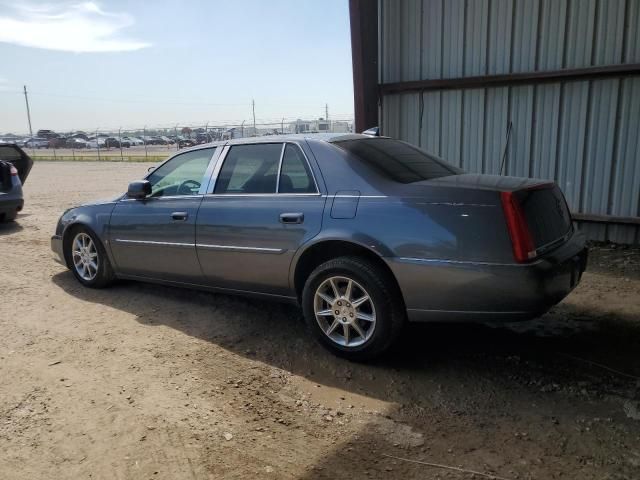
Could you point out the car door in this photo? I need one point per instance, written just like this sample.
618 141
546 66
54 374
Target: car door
155 237
264 202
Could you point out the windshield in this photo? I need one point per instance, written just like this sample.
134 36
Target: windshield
398 161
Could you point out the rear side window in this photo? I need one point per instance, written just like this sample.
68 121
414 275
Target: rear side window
250 169
295 176
398 161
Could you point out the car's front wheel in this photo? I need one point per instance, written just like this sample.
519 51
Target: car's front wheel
88 259
353 308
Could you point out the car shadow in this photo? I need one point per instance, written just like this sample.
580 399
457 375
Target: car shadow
563 345
460 389
9 228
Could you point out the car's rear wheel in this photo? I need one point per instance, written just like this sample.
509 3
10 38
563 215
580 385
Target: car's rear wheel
88 259
353 308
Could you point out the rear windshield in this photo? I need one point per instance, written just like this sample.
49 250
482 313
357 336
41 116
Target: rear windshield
397 160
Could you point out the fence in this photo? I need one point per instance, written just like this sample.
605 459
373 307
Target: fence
156 143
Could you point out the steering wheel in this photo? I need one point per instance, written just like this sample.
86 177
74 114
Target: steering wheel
188 187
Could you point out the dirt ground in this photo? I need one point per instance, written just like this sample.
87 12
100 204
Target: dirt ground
147 382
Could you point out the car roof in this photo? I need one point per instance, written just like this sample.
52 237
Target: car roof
292 137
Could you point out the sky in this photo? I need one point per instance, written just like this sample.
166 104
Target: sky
130 64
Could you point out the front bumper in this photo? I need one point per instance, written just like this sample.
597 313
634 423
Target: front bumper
444 290
56 247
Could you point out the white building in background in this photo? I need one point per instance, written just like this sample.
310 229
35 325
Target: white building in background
319 126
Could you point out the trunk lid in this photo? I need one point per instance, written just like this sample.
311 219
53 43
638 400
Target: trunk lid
18 158
537 215
484 182
547 215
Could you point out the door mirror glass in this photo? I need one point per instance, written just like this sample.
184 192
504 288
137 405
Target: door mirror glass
139 189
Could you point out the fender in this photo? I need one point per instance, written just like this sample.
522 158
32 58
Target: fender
95 217
342 235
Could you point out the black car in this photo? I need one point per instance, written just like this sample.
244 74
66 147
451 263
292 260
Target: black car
15 166
112 142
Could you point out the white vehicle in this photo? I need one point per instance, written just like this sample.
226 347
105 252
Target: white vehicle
134 141
96 143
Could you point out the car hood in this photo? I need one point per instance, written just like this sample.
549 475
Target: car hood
18 157
101 201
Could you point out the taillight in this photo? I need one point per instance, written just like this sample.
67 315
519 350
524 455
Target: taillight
13 170
521 239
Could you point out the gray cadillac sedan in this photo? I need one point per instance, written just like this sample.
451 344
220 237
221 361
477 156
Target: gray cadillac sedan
365 233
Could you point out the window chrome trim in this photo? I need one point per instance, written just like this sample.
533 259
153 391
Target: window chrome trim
284 145
223 156
213 161
313 175
230 195
216 171
168 197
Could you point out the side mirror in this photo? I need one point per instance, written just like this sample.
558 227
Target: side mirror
139 189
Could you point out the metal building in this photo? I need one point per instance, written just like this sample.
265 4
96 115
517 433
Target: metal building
452 75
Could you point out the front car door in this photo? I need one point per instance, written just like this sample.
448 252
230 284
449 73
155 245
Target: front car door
155 237
263 204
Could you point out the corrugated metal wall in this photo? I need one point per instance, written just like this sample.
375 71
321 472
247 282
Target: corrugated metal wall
585 135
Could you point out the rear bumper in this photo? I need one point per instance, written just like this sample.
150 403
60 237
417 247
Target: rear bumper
10 207
445 290
56 247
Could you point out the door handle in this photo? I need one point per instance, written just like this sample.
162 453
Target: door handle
291 218
179 215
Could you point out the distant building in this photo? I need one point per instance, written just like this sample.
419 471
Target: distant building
318 126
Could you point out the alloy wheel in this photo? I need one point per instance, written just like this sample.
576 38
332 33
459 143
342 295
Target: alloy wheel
85 256
344 311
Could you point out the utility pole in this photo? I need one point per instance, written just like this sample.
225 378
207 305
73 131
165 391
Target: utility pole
326 114
120 140
253 106
26 100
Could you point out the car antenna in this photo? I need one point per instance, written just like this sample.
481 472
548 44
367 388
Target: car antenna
506 146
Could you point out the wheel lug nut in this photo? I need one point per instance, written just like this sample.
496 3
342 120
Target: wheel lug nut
351 315
339 304
337 312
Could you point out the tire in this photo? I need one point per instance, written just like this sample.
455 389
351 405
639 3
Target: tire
100 277
385 306
8 217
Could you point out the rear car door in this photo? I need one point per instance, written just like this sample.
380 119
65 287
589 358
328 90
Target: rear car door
155 237
264 203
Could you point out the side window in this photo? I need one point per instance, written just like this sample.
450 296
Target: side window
250 169
181 175
295 176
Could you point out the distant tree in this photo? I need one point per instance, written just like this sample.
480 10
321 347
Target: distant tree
186 131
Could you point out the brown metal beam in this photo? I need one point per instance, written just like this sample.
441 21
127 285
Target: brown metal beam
592 217
363 15
573 74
